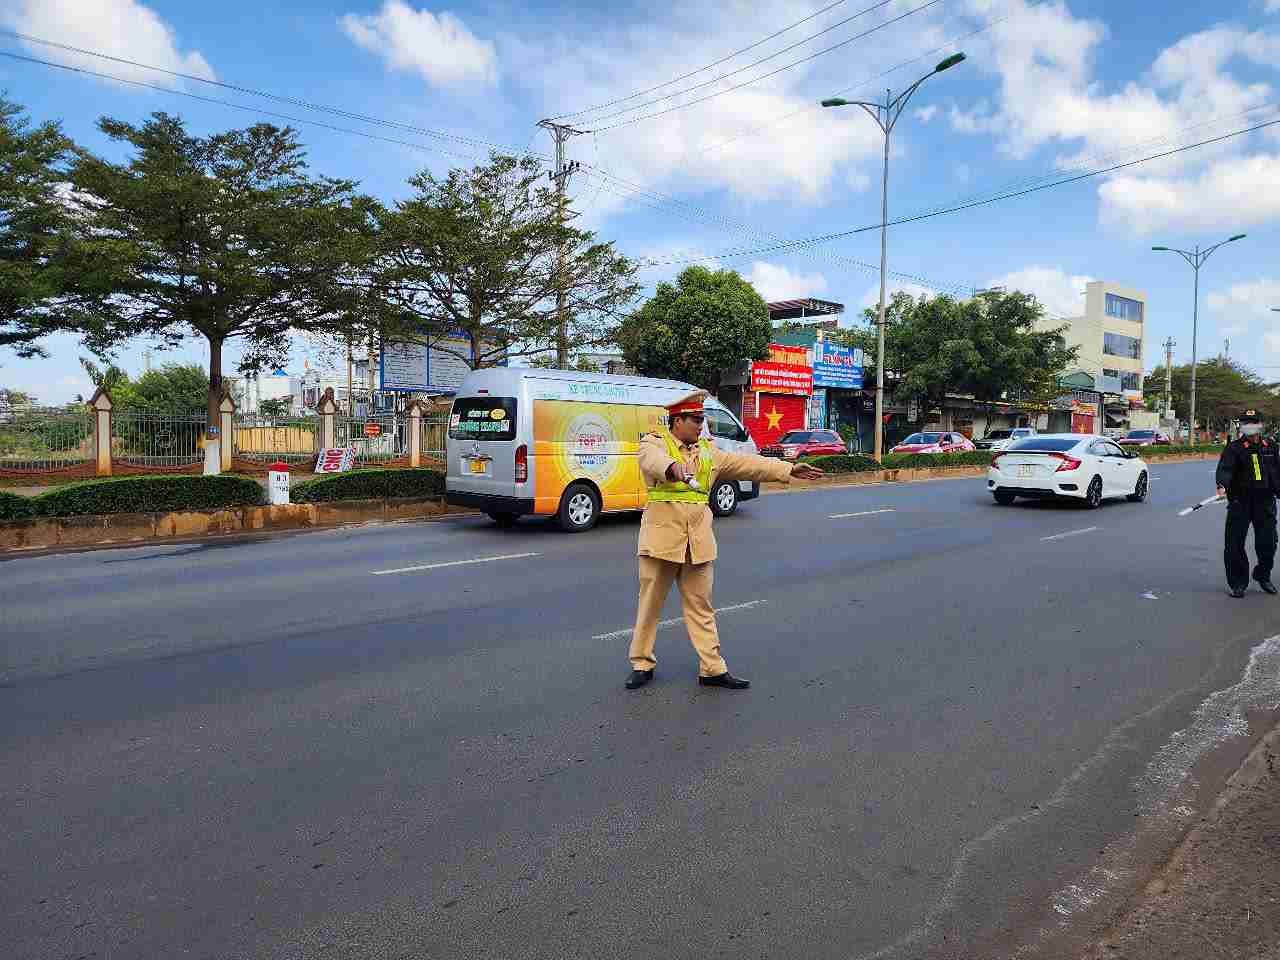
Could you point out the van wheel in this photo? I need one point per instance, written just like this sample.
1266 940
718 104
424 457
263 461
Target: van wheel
504 520
579 509
724 499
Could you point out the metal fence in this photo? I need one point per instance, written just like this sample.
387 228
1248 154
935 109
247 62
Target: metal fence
376 440
435 429
157 439
46 438
268 439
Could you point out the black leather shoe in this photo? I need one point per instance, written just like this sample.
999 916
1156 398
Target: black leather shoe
1268 587
1237 592
726 680
638 679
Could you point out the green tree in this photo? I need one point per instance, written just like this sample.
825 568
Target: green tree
991 346
1223 389
697 329
110 378
483 253
175 388
49 268
224 238
275 407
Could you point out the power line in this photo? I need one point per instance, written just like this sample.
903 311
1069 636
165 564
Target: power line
771 73
1009 195
237 106
714 63
859 85
238 88
755 63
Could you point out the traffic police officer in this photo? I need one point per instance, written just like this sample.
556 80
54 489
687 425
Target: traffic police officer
677 544
1249 476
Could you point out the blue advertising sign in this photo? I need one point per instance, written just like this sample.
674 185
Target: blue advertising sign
837 366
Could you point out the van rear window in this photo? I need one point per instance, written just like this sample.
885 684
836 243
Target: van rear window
483 418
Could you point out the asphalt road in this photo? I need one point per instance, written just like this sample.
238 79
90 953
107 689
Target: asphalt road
963 738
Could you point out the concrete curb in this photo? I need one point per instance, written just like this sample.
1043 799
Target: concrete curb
122 528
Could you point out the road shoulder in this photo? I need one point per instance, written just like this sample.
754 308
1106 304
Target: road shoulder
1218 895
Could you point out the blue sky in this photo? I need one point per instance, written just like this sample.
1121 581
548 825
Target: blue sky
1049 89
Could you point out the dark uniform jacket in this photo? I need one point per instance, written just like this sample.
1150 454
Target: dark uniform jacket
1249 467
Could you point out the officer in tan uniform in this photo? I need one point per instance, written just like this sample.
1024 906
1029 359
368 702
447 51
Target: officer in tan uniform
677 545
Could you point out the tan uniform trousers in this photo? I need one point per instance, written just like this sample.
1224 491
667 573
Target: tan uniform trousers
695 579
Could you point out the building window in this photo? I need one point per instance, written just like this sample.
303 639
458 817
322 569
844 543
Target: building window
1123 308
1118 345
1128 381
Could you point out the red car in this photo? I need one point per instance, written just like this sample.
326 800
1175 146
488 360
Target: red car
934 443
1143 438
806 443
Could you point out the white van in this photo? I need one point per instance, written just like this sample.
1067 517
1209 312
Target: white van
563 444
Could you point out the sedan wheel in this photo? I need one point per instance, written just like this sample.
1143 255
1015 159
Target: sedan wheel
1140 492
1004 497
1093 498
724 499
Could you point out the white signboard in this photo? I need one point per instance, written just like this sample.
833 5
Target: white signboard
404 366
419 367
336 460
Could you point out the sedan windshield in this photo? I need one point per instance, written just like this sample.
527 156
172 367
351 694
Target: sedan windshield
1043 444
999 435
919 438
796 436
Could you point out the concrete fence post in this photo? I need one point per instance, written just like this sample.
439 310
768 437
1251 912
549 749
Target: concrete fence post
415 434
328 409
100 403
226 424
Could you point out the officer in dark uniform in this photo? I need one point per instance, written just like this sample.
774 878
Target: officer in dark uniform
1249 476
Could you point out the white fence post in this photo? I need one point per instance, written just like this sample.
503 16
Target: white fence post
415 434
226 418
100 403
327 408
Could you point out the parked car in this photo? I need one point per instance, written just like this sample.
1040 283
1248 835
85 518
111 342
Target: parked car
1069 465
806 443
1144 438
934 443
1000 439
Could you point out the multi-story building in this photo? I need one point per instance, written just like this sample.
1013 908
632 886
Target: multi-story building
1110 341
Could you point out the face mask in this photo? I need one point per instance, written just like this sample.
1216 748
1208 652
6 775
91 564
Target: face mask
1251 429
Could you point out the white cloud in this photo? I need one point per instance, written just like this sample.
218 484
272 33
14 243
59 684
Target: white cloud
1242 302
774 282
1272 342
732 142
121 28
1049 96
437 46
1273 6
1234 192
925 114
871 298
1062 294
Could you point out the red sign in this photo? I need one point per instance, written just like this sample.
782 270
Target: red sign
775 415
779 353
372 429
767 376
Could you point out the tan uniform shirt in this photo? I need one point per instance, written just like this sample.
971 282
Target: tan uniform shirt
682 531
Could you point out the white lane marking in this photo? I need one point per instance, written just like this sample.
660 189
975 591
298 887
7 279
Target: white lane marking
864 513
663 624
453 563
1069 533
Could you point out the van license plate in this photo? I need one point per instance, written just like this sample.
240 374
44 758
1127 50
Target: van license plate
475 466
1024 470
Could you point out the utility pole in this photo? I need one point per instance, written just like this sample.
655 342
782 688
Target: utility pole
1195 259
886 117
1168 378
561 132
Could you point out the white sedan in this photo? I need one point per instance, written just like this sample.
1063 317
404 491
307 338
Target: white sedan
1071 465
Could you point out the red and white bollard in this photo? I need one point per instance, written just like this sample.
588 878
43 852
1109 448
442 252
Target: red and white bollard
278 484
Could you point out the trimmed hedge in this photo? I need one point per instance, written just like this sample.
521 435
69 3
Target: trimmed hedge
149 494
1175 449
858 463
375 484
15 507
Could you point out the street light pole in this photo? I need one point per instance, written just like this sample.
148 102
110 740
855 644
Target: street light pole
1196 259
886 117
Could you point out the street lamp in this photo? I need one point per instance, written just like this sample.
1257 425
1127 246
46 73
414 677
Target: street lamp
1196 258
886 117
